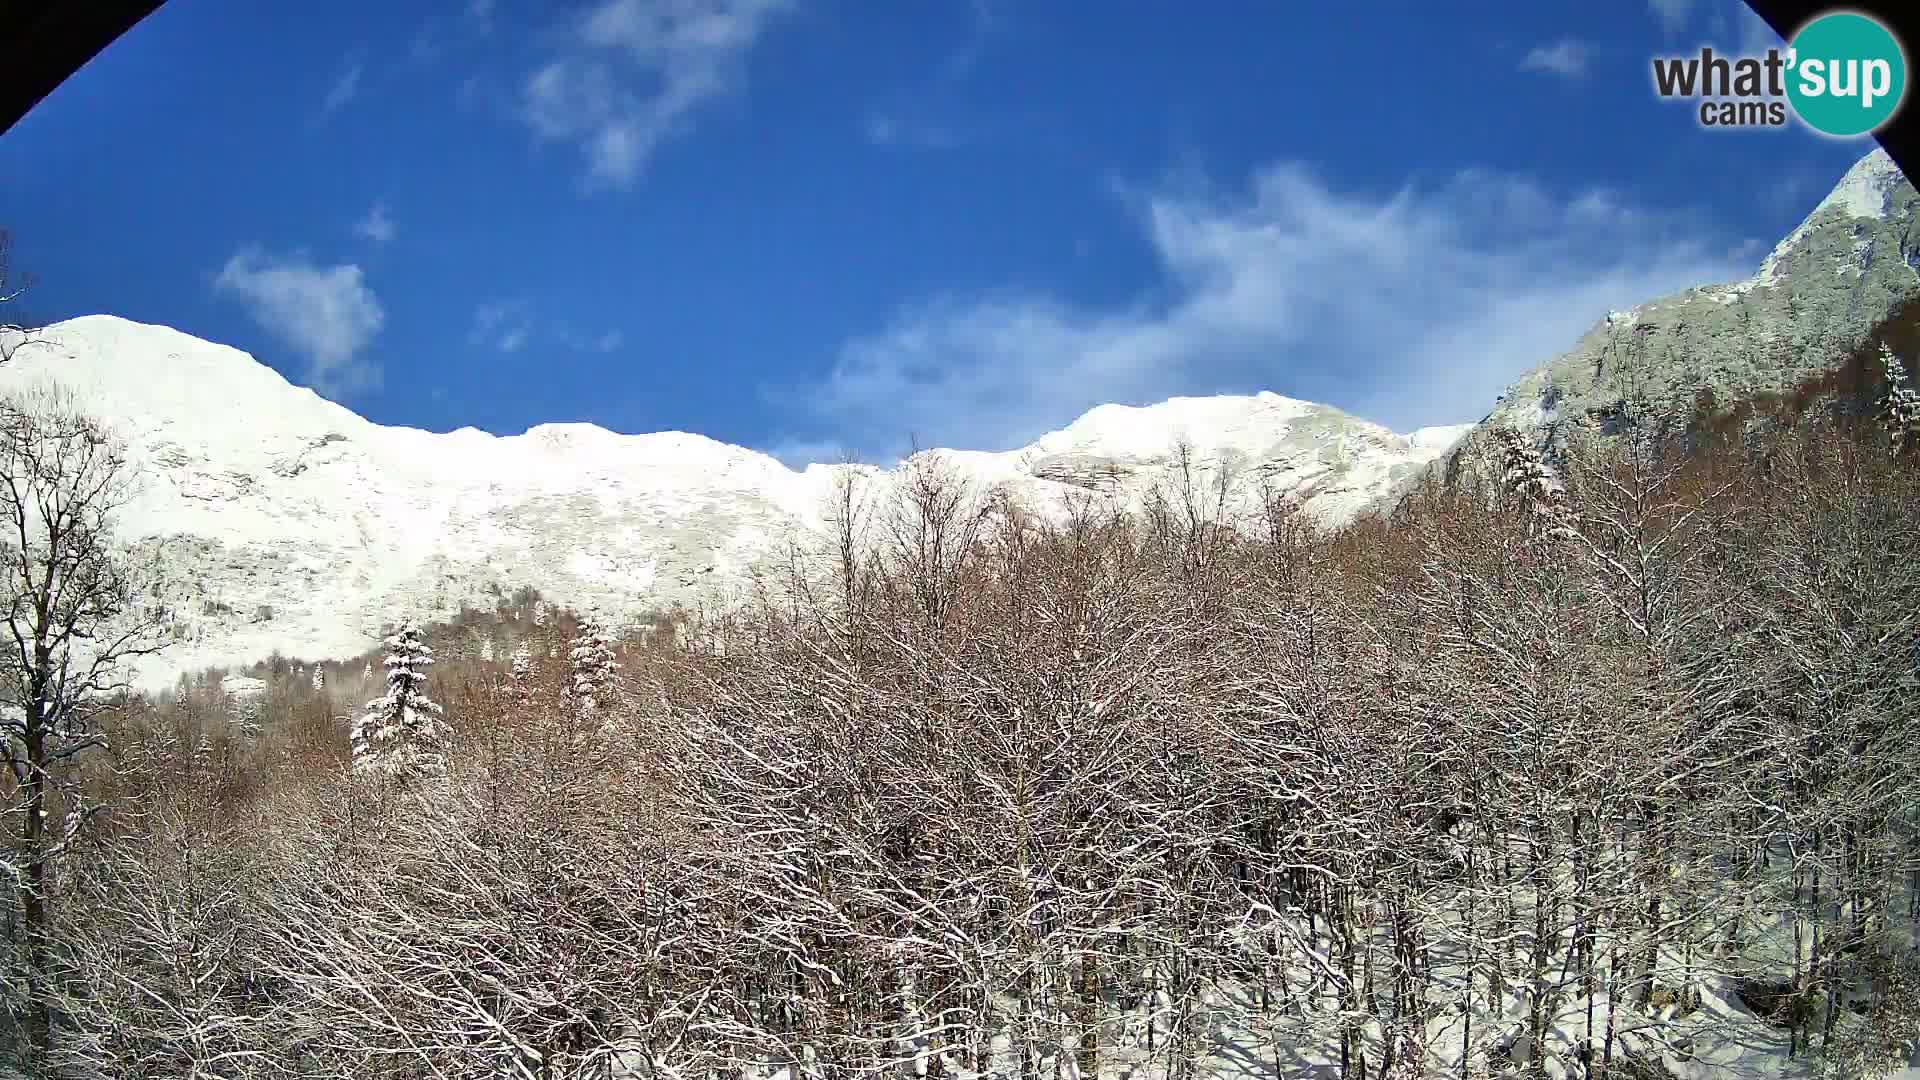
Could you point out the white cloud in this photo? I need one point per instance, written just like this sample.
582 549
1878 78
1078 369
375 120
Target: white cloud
510 325
1566 58
377 227
1673 14
326 313
345 88
505 325
633 74
607 342
1412 308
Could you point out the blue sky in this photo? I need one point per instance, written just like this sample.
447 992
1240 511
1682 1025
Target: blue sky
811 226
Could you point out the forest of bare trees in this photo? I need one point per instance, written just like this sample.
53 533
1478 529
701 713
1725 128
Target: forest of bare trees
1582 770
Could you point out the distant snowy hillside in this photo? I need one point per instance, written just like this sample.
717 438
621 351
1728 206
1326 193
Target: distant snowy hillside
291 523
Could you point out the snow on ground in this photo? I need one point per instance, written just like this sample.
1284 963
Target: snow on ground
242 686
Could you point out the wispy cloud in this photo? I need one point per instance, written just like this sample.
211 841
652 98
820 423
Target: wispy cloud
325 313
634 73
607 342
377 227
1673 14
511 325
346 86
505 325
1566 58
1412 308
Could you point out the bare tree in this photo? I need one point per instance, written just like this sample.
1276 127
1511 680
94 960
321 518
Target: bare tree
849 517
75 616
933 533
15 330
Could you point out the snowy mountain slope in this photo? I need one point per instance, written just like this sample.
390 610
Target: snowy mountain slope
1853 259
288 522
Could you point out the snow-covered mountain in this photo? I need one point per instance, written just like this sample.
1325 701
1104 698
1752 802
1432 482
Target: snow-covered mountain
1853 259
1847 266
288 522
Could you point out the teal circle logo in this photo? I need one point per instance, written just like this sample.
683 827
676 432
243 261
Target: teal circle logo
1848 74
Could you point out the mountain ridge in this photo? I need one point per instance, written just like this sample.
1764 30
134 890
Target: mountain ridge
293 524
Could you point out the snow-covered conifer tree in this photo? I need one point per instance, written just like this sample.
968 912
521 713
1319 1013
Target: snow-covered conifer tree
319 679
1902 408
1524 473
591 689
518 689
246 713
401 732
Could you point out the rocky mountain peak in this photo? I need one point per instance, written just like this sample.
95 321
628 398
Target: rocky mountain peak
1814 297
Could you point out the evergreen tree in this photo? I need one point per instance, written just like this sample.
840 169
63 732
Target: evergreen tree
401 733
246 714
1902 408
1526 475
592 686
517 690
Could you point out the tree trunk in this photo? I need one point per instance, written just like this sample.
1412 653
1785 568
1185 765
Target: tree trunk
1089 1050
33 901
